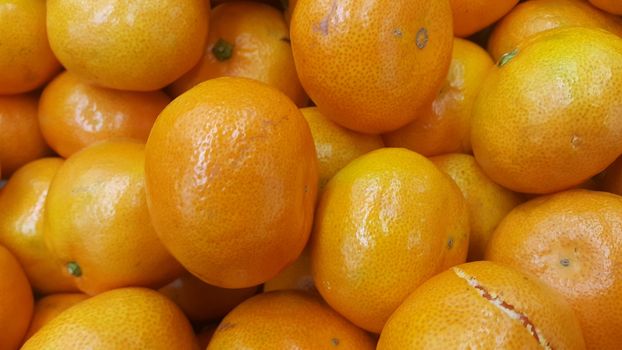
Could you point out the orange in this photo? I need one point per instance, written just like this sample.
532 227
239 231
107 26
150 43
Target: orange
247 39
548 116
385 223
201 301
74 114
336 146
532 17
611 180
26 60
287 319
482 305
470 16
143 45
444 126
296 276
20 139
124 318
612 6
487 202
21 225
369 66
16 302
97 223
572 241
48 307
231 179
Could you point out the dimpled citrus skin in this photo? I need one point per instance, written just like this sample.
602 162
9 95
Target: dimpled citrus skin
470 16
48 307
385 223
532 17
16 302
74 114
448 312
369 66
551 117
126 318
232 178
96 217
139 45
612 6
26 60
444 125
571 241
287 320
21 225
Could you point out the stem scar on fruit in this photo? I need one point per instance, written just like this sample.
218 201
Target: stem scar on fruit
507 57
74 269
222 50
421 38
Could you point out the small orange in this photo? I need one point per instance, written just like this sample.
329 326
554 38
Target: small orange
296 276
139 45
26 60
444 126
16 302
21 225
548 116
572 241
97 224
74 114
20 139
287 320
532 17
232 178
135 318
611 181
385 223
470 16
482 305
370 65
611 6
247 39
48 307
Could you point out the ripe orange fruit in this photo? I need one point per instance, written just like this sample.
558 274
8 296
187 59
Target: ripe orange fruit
295 276
385 223
232 178
487 202
143 45
482 305
548 116
572 241
74 114
611 180
26 60
247 39
48 307
611 6
369 66
470 16
97 223
201 301
20 139
287 319
21 225
444 126
128 317
532 17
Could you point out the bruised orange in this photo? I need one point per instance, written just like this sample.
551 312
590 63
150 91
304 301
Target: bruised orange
48 307
470 16
611 6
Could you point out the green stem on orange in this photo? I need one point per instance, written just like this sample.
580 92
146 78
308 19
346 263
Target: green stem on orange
223 50
507 57
74 269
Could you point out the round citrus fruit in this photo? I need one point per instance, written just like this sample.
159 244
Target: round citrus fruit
611 6
50 306
470 16
296 276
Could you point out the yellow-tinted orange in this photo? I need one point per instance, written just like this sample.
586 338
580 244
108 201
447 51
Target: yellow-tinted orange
612 6
470 16
48 307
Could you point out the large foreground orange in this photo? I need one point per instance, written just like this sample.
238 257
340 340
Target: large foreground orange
16 302
50 306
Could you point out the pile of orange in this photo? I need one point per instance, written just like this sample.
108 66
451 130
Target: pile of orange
310 174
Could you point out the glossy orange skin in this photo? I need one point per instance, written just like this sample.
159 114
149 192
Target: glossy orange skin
26 60
470 16
48 307
385 223
74 114
549 119
611 180
96 217
532 17
141 45
201 301
585 228
21 225
444 126
118 320
369 66
261 49
20 139
611 6
287 320
240 151
449 312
